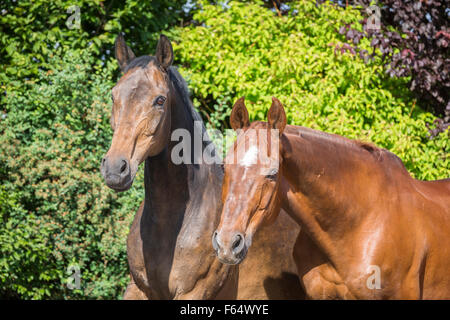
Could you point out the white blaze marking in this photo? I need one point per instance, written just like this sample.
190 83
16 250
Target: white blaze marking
250 157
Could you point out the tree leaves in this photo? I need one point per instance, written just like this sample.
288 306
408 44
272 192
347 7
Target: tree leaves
315 72
413 39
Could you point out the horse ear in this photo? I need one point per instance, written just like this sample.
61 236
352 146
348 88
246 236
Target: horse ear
276 116
239 115
164 52
123 53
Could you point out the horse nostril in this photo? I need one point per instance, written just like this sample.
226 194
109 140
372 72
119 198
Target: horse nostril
238 243
124 166
103 161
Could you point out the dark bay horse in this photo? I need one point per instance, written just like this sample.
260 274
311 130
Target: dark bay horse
369 230
169 245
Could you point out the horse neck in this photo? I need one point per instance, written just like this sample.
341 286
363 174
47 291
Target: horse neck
175 190
326 185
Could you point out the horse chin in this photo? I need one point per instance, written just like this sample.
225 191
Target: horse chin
234 260
123 187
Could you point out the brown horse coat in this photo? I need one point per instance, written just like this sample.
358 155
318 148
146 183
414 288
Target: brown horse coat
369 230
169 244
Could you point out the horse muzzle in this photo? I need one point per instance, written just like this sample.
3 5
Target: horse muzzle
117 173
230 252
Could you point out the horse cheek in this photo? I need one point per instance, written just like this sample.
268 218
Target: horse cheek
153 122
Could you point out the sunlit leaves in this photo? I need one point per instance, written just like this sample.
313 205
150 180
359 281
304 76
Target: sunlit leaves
249 51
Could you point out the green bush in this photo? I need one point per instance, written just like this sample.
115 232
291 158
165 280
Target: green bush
32 30
55 207
23 263
245 50
54 129
55 210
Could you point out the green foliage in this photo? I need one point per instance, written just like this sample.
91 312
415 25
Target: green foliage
31 31
55 210
55 207
23 262
55 132
245 50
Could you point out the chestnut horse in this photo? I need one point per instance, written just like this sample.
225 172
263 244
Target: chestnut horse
369 230
169 245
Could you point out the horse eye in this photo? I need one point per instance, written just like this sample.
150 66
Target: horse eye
160 100
112 97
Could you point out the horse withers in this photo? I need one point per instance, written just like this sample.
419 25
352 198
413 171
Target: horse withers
169 245
369 230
